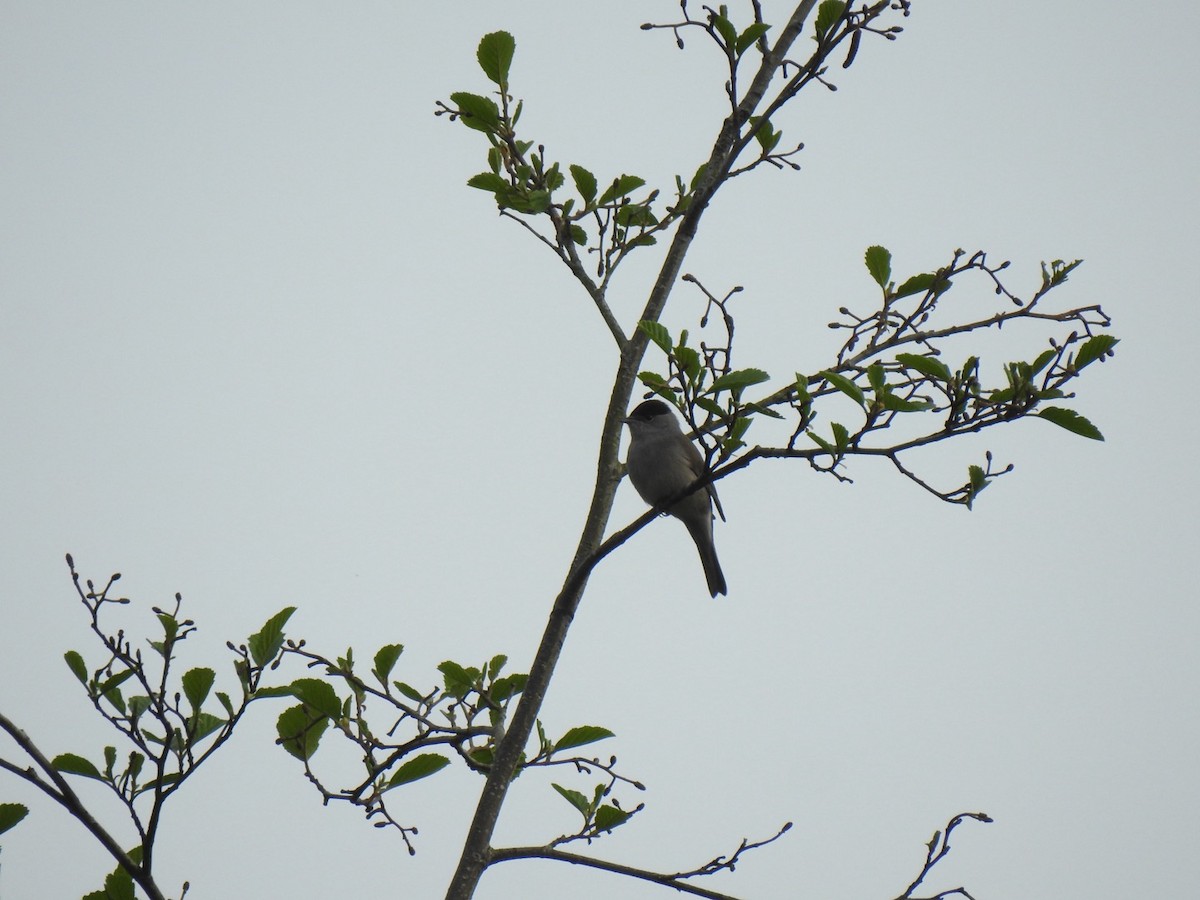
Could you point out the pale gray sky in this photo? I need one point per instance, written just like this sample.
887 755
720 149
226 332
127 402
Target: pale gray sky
260 344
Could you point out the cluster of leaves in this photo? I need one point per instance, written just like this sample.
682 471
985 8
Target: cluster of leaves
878 370
702 379
836 23
169 729
400 731
169 725
613 217
609 219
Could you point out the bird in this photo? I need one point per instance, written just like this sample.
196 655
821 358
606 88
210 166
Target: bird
662 463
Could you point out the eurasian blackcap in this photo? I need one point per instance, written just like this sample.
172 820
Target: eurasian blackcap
661 463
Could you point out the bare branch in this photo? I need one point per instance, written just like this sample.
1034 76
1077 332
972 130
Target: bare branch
677 881
937 850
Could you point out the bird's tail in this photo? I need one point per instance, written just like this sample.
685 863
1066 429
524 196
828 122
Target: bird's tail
712 572
708 559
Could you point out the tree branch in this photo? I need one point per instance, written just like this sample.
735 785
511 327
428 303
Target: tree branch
937 850
510 853
62 794
677 880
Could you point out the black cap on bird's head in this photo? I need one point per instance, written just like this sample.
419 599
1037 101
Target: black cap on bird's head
648 410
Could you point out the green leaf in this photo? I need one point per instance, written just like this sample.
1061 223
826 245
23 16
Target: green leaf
420 766
750 35
480 113
841 436
458 681
160 783
876 378
75 664
1094 348
196 685
609 817
580 735
917 284
496 665
495 55
768 138
508 686
740 426
110 684
878 259
529 202
1041 362
689 363
221 696
385 661
827 15
725 27
929 366
738 379
1058 271
265 645
658 384
490 182
845 385
575 798
822 443
658 333
978 481
483 756
11 814
138 704
118 885
619 188
761 410
635 215
319 696
170 627
299 732
269 693
202 725
1072 421
410 692
74 764
578 235
113 696
585 183
899 404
